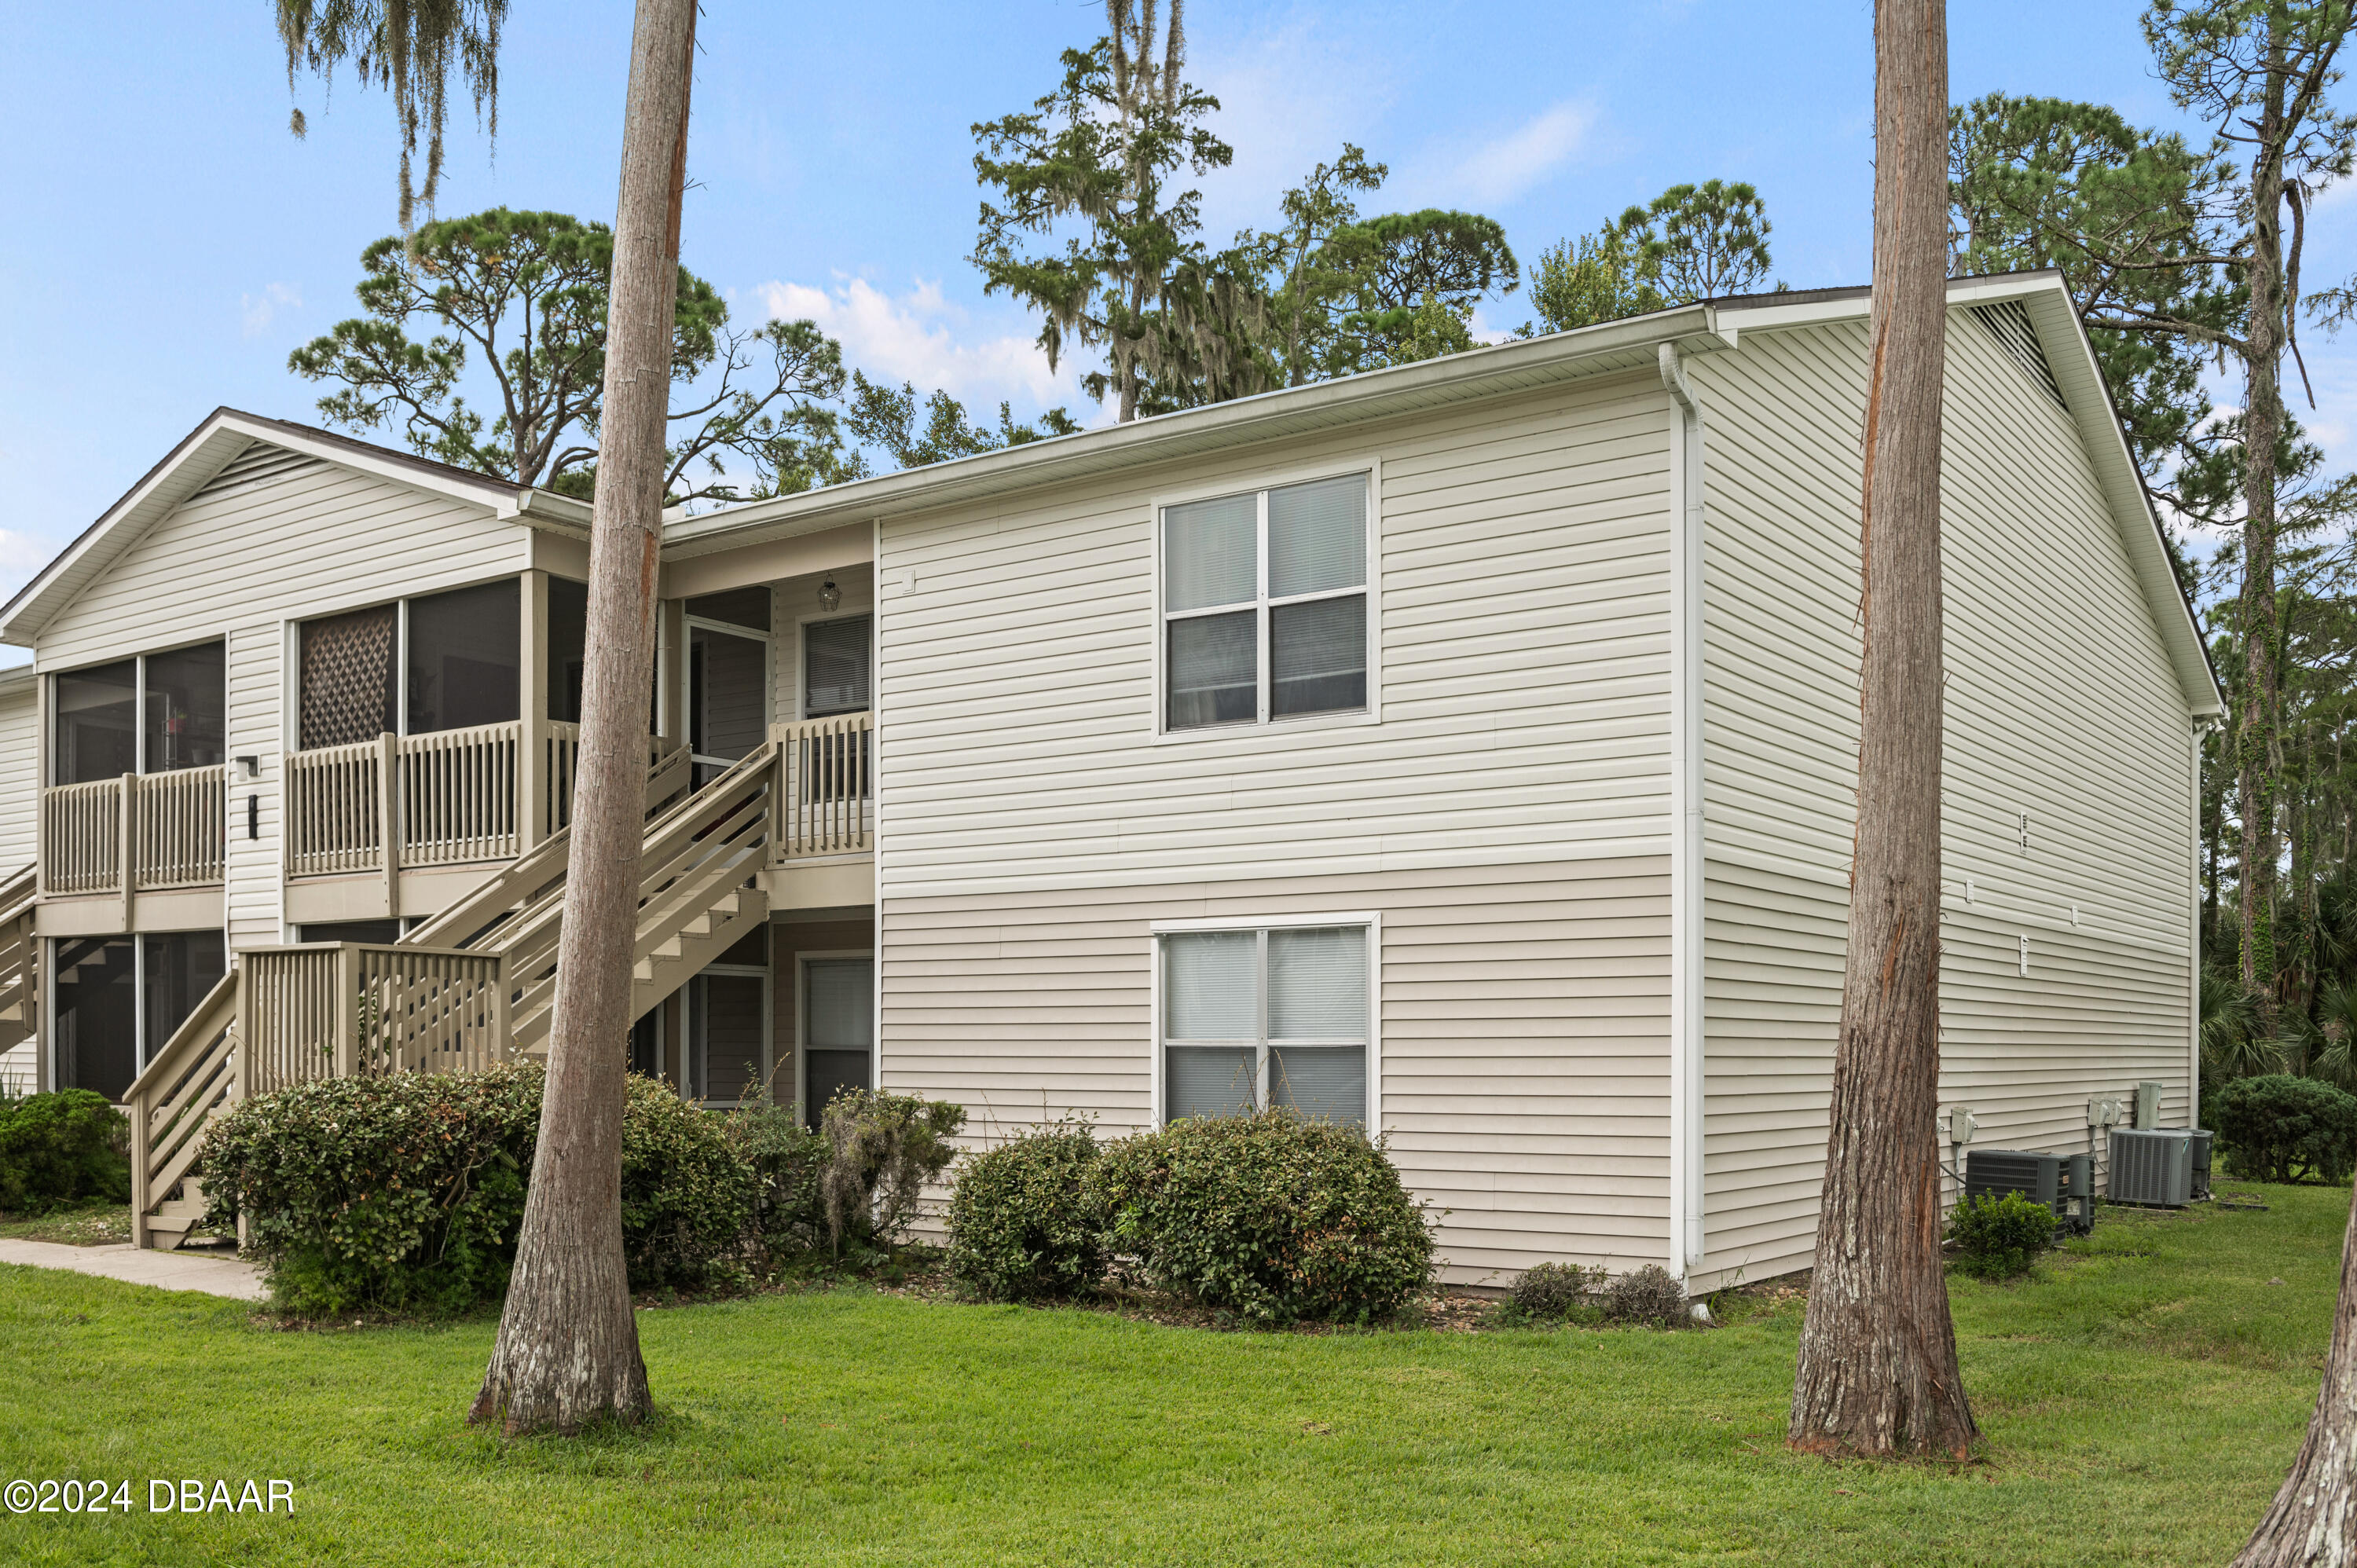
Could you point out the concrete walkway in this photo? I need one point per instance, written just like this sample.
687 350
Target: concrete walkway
166 1271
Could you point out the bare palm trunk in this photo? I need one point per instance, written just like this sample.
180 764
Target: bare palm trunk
1876 1372
567 1353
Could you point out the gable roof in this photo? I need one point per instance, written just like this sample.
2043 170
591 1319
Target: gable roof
225 437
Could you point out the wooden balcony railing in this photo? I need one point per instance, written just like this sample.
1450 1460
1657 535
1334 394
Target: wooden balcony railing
459 797
337 1009
826 786
168 827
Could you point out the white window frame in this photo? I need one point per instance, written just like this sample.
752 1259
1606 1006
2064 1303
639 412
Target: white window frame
1371 921
802 623
801 1015
1258 487
691 1049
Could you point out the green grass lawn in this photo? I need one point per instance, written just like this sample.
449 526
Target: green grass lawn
2141 1398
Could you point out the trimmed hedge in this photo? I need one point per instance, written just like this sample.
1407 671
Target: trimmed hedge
62 1148
2277 1127
1021 1224
405 1192
1554 1293
1269 1216
1998 1237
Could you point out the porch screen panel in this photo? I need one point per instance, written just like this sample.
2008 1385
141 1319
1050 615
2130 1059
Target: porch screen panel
188 707
568 642
97 727
466 658
181 966
96 1022
347 678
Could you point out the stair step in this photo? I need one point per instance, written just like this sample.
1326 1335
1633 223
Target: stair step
174 1223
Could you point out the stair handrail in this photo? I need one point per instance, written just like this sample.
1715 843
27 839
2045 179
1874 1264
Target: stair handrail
177 1095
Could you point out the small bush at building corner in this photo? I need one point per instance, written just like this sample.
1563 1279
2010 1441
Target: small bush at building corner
1021 1224
60 1148
1271 1216
883 1151
1997 1237
2279 1127
1554 1293
1651 1296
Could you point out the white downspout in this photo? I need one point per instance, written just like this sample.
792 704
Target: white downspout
2193 931
1687 1082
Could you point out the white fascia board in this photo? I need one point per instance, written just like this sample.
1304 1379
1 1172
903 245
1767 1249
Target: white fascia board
1496 370
2071 357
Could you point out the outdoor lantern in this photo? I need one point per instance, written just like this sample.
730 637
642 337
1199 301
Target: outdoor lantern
830 598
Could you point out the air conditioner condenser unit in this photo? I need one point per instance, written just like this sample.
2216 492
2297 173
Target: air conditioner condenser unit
2155 1167
2064 1183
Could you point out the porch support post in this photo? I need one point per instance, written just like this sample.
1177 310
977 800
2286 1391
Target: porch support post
388 819
126 835
531 753
348 1016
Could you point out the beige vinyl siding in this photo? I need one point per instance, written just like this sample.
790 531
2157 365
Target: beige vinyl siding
1521 571
789 940
20 776
1523 1032
242 560
2060 702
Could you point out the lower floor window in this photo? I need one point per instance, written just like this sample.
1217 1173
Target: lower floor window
1266 1016
838 1030
117 1001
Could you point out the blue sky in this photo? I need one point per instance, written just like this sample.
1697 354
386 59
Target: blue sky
170 241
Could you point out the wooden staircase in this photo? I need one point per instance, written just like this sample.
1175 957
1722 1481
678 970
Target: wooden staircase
21 959
472 986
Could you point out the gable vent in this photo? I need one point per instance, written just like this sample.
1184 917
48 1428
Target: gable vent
2008 322
257 464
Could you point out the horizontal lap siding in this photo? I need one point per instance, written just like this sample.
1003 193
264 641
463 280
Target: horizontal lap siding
2060 702
1524 1017
20 778
242 560
1523 652
1507 816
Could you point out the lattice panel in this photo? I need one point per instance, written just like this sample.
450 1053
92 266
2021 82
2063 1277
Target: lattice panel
348 678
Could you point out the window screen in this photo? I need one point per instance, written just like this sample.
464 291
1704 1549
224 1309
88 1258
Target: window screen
97 723
836 655
1265 605
186 708
1277 1017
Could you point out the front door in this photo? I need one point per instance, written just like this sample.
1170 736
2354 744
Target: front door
838 1030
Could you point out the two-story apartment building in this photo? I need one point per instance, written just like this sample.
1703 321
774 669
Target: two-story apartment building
1466 750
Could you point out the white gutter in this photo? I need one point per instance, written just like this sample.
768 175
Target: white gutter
1686 1064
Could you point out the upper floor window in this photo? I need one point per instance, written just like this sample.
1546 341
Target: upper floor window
440 662
155 713
836 659
1265 605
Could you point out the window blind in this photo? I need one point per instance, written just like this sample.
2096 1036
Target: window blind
1212 990
1211 1081
836 655
1317 536
1318 985
842 1004
1325 1083
1215 672
1317 656
1210 552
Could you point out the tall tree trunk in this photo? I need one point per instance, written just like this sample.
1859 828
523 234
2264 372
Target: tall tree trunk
1876 1372
2259 741
568 1346
2312 1523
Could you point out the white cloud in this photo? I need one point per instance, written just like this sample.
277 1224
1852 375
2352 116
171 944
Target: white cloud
258 311
920 338
1500 170
1290 97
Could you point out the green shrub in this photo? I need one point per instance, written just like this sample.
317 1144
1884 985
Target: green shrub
882 1150
1020 1222
61 1148
789 1165
1553 1292
1652 1297
1997 1238
1268 1216
688 1195
2285 1129
405 1192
